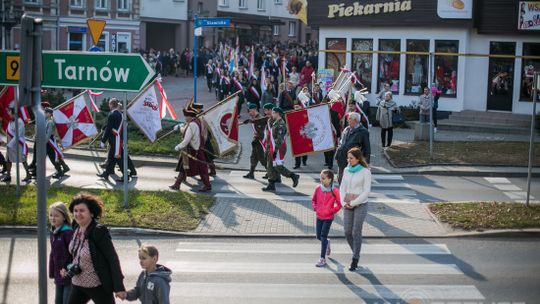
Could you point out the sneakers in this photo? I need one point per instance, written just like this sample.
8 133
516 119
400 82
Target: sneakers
435 130
321 262
328 250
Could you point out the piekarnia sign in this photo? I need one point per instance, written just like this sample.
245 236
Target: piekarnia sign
357 9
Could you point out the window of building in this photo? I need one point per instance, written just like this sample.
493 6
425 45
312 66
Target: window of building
362 62
529 66
76 42
223 2
446 66
416 69
389 64
31 2
123 5
276 30
123 41
242 4
101 4
278 1
76 3
292 28
261 5
335 61
200 7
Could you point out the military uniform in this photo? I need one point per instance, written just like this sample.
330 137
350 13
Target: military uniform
275 152
53 150
258 144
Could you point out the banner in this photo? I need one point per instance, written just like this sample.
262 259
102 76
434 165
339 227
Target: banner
222 121
529 15
144 111
326 77
74 121
299 9
310 130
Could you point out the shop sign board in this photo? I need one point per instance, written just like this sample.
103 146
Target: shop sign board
529 15
83 70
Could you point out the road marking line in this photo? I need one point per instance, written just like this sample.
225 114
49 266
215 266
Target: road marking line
505 187
285 248
309 268
497 180
373 197
517 195
245 292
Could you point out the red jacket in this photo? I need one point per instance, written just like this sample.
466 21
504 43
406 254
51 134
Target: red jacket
325 204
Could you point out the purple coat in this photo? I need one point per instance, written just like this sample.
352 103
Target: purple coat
60 257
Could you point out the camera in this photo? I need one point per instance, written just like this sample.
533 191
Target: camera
72 270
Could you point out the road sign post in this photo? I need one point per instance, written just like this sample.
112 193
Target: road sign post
198 24
536 87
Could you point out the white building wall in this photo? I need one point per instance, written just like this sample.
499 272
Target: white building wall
477 72
445 103
164 9
273 8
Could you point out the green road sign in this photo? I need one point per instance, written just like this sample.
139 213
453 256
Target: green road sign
83 70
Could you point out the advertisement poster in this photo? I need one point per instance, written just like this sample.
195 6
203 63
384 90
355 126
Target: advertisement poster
326 77
529 15
335 60
455 9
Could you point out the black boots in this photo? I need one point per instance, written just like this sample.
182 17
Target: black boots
179 180
295 178
250 175
270 187
354 265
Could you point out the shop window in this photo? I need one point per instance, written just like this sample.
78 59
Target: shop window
76 42
389 64
446 66
529 66
103 42
416 69
362 62
335 61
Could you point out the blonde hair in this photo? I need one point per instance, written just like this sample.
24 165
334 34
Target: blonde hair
61 208
149 250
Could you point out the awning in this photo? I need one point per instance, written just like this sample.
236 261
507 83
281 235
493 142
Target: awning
237 18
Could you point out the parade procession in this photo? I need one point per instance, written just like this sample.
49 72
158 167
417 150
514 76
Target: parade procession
269 152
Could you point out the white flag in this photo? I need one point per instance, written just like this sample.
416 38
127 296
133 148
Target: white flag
145 112
220 121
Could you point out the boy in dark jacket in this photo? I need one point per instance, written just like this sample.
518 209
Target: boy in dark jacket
153 283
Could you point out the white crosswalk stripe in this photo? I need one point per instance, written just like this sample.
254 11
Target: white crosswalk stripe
211 261
505 185
385 188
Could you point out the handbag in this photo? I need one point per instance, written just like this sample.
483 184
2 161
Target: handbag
397 118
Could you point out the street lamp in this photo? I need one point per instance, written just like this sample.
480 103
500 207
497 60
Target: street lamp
11 16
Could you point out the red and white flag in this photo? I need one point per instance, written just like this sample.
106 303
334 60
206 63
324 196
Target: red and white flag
310 130
74 121
7 96
222 121
251 63
164 105
146 110
91 95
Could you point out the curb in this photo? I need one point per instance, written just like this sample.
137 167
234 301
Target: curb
143 232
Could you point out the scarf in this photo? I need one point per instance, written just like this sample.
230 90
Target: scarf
354 169
326 189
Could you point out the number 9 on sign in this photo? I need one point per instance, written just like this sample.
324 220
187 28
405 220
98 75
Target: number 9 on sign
12 67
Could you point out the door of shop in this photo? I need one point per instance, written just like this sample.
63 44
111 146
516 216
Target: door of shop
501 76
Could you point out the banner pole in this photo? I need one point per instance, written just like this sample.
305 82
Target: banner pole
125 151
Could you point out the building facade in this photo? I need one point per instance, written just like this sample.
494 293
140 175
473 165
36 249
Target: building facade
483 52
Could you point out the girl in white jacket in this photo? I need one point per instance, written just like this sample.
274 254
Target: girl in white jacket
354 191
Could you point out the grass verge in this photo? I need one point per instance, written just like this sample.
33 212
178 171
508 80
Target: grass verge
487 215
173 211
463 153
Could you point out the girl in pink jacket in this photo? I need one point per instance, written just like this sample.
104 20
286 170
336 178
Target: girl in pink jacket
326 203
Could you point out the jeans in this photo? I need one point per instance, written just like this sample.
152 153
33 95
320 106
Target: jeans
62 293
322 230
424 118
353 220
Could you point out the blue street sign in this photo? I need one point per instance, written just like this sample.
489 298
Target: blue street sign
95 49
213 22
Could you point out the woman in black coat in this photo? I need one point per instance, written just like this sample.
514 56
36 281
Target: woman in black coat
95 270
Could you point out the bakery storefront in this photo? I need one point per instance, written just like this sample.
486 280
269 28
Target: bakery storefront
388 41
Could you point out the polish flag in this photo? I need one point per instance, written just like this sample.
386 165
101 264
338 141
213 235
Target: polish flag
310 130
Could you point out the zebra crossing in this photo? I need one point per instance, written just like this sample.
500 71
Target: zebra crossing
284 272
386 188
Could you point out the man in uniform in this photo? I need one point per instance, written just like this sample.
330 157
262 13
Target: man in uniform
275 151
192 160
113 136
257 150
53 150
267 110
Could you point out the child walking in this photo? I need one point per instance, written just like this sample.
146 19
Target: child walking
153 283
326 203
59 257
